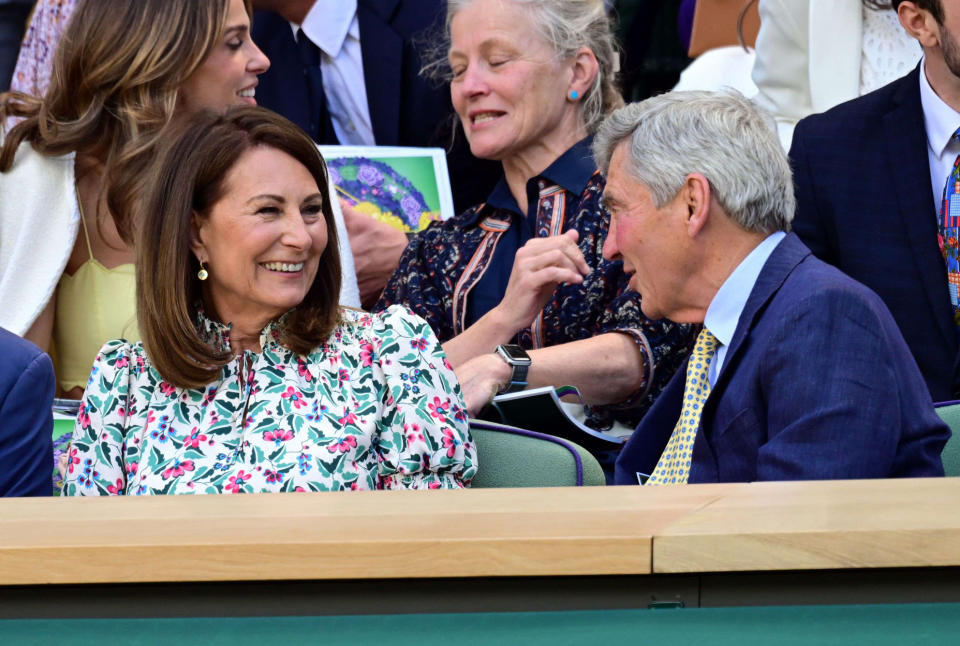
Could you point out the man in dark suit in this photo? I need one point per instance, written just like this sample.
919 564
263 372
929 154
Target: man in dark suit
26 423
870 174
799 372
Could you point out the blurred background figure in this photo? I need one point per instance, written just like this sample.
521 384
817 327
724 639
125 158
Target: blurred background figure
815 54
13 22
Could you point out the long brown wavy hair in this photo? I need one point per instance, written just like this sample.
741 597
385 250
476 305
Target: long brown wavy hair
114 87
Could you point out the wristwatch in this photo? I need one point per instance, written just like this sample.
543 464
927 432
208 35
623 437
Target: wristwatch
518 359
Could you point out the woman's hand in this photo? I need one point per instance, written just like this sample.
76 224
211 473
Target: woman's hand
480 379
539 266
376 247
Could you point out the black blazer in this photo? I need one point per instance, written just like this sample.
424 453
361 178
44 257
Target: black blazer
864 204
405 109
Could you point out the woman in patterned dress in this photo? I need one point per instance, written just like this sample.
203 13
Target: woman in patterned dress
250 378
530 80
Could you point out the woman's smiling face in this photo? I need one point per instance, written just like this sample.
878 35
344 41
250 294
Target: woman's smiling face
229 74
262 241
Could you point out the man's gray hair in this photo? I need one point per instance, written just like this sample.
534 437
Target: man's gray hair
721 135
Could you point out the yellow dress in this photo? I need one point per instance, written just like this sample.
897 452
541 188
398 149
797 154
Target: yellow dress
94 305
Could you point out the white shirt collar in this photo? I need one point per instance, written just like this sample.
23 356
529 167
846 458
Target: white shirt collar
328 22
940 120
727 305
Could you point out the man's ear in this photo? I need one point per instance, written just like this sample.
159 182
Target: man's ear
584 71
196 237
696 195
919 23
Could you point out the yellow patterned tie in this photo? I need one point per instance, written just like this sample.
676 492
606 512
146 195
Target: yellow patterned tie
674 464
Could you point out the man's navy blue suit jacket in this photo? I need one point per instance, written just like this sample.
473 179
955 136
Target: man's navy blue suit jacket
26 426
865 205
405 108
817 384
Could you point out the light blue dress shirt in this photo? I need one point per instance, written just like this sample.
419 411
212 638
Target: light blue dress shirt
727 305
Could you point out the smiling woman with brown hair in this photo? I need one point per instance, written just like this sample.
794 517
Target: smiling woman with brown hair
250 377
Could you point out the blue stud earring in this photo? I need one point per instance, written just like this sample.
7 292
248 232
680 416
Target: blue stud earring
574 95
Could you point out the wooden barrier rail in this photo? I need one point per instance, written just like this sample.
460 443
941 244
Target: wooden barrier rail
510 548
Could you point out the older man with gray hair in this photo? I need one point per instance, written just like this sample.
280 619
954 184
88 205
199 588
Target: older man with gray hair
799 372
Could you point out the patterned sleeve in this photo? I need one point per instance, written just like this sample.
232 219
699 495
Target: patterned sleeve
420 284
35 61
95 461
424 439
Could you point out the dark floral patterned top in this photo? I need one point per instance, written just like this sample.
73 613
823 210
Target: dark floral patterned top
454 272
376 406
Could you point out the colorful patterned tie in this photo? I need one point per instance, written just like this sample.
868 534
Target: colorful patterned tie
948 234
674 464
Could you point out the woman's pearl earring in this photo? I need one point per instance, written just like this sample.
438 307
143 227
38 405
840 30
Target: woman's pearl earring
202 274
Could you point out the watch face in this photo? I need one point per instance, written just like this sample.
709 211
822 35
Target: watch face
515 352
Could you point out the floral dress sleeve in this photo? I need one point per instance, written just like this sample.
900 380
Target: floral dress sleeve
424 439
95 461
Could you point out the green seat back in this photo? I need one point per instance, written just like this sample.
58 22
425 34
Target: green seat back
950 413
513 457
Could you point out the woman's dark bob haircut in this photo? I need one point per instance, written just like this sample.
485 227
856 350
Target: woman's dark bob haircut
189 178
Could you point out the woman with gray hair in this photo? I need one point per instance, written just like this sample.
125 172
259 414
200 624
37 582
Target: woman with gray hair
530 81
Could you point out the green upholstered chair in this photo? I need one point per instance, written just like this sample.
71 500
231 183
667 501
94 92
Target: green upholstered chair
950 413
514 457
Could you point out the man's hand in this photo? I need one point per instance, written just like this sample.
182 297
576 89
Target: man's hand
480 379
376 247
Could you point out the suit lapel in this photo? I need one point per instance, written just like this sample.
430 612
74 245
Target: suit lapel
906 142
382 51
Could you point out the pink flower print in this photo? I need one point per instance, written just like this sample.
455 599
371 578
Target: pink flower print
278 437
178 469
413 433
446 364
302 369
167 388
342 376
83 417
349 418
193 440
450 443
438 408
366 354
295 397
211 393
122 362
433 485
116 489
419 344
141 365
273 476
132 468
349 442
72 459
236 482
459 414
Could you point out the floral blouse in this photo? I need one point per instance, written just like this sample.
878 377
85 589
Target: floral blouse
377 406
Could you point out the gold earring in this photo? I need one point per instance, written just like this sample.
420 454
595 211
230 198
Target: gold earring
202 274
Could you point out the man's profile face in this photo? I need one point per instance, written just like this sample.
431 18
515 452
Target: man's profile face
650 240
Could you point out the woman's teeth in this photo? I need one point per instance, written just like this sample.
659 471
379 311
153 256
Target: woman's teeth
288 267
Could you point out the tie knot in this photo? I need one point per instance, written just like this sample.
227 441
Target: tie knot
706 344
